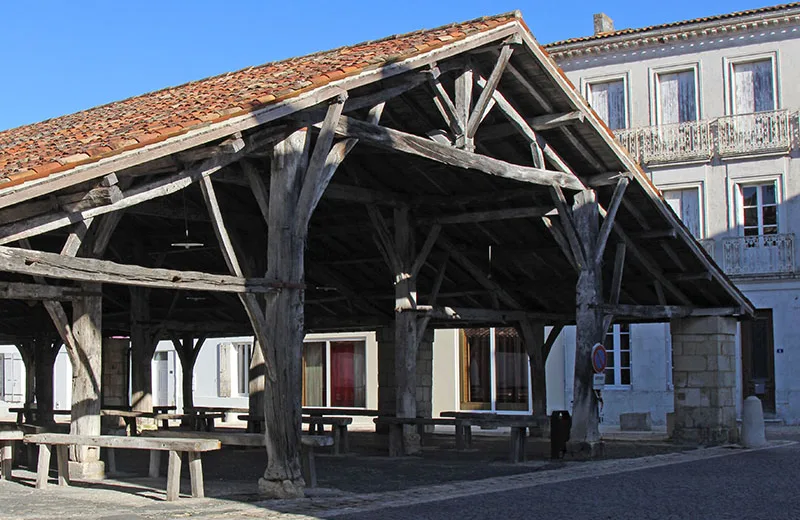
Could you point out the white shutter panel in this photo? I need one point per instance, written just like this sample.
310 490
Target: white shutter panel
687 100
616 105
599 100
668 99
690 205
744 97
224 374
763 91
686 204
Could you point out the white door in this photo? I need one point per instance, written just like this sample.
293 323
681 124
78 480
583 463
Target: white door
161 393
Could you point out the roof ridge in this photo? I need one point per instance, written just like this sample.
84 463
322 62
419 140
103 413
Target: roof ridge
675 24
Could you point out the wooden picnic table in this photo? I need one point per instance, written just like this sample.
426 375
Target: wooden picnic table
347 412
250 440
518 424
22 411
205 422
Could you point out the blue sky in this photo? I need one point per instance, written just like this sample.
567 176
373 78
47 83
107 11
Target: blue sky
62 56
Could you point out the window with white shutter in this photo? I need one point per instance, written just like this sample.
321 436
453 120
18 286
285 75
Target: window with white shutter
608 99
676 97
686 204
753 86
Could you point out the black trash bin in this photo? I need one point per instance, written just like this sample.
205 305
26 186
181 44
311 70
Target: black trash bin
560 424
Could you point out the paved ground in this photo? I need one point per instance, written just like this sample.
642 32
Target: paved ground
705 483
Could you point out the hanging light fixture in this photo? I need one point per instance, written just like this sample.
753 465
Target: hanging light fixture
186 242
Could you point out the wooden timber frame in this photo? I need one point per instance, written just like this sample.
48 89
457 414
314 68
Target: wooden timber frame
468 185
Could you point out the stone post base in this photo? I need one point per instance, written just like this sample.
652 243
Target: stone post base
280 488
91 470
585 450
705 436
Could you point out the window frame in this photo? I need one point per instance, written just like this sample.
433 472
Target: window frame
701 198
586 89
327 340
242 371
616 349
728 64
492 405
740 224
735 210
654 87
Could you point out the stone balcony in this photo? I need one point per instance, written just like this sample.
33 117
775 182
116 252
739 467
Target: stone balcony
700 141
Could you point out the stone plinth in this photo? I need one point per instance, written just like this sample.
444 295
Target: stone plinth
704 376
387 390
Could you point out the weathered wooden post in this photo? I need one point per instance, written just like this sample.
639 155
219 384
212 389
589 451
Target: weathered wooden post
45 350
532 334
284 312
256 384
26 352
405 328
87 320
585 433
142 349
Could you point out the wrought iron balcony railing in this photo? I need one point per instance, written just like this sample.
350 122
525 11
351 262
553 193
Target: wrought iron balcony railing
688 141
746 134
758 254
754 133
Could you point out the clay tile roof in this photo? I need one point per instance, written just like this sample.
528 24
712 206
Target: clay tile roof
40 149
674 25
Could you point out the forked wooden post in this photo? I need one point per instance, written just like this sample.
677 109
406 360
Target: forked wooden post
405 329
589 324
284 312
86 382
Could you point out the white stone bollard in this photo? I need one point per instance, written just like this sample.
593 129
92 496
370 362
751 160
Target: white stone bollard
753 423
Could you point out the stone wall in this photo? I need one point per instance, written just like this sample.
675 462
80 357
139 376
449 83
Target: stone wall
387 392
704 376
115 379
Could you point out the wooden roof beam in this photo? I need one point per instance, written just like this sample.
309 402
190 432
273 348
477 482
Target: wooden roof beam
396 140
51 265
664 312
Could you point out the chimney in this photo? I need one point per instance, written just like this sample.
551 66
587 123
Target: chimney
603 23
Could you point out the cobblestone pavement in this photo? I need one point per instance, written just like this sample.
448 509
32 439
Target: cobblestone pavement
142 498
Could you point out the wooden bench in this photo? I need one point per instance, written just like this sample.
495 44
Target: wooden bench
395 424
518 425
193 446
341 442
8 436
33 412
251 440
199 422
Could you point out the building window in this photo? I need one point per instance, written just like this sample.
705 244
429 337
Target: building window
676 97
334 373
686 204
607 98
618 347
494 370
752 86
758 205
11 372
243 352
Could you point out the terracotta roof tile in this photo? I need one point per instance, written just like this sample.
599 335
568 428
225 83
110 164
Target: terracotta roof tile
61 143
679 24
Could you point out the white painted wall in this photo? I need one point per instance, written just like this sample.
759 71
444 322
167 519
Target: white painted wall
716 181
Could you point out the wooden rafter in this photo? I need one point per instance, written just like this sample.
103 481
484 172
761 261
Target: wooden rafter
38 263
408 143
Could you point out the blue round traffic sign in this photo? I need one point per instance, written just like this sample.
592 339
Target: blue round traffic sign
599 358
